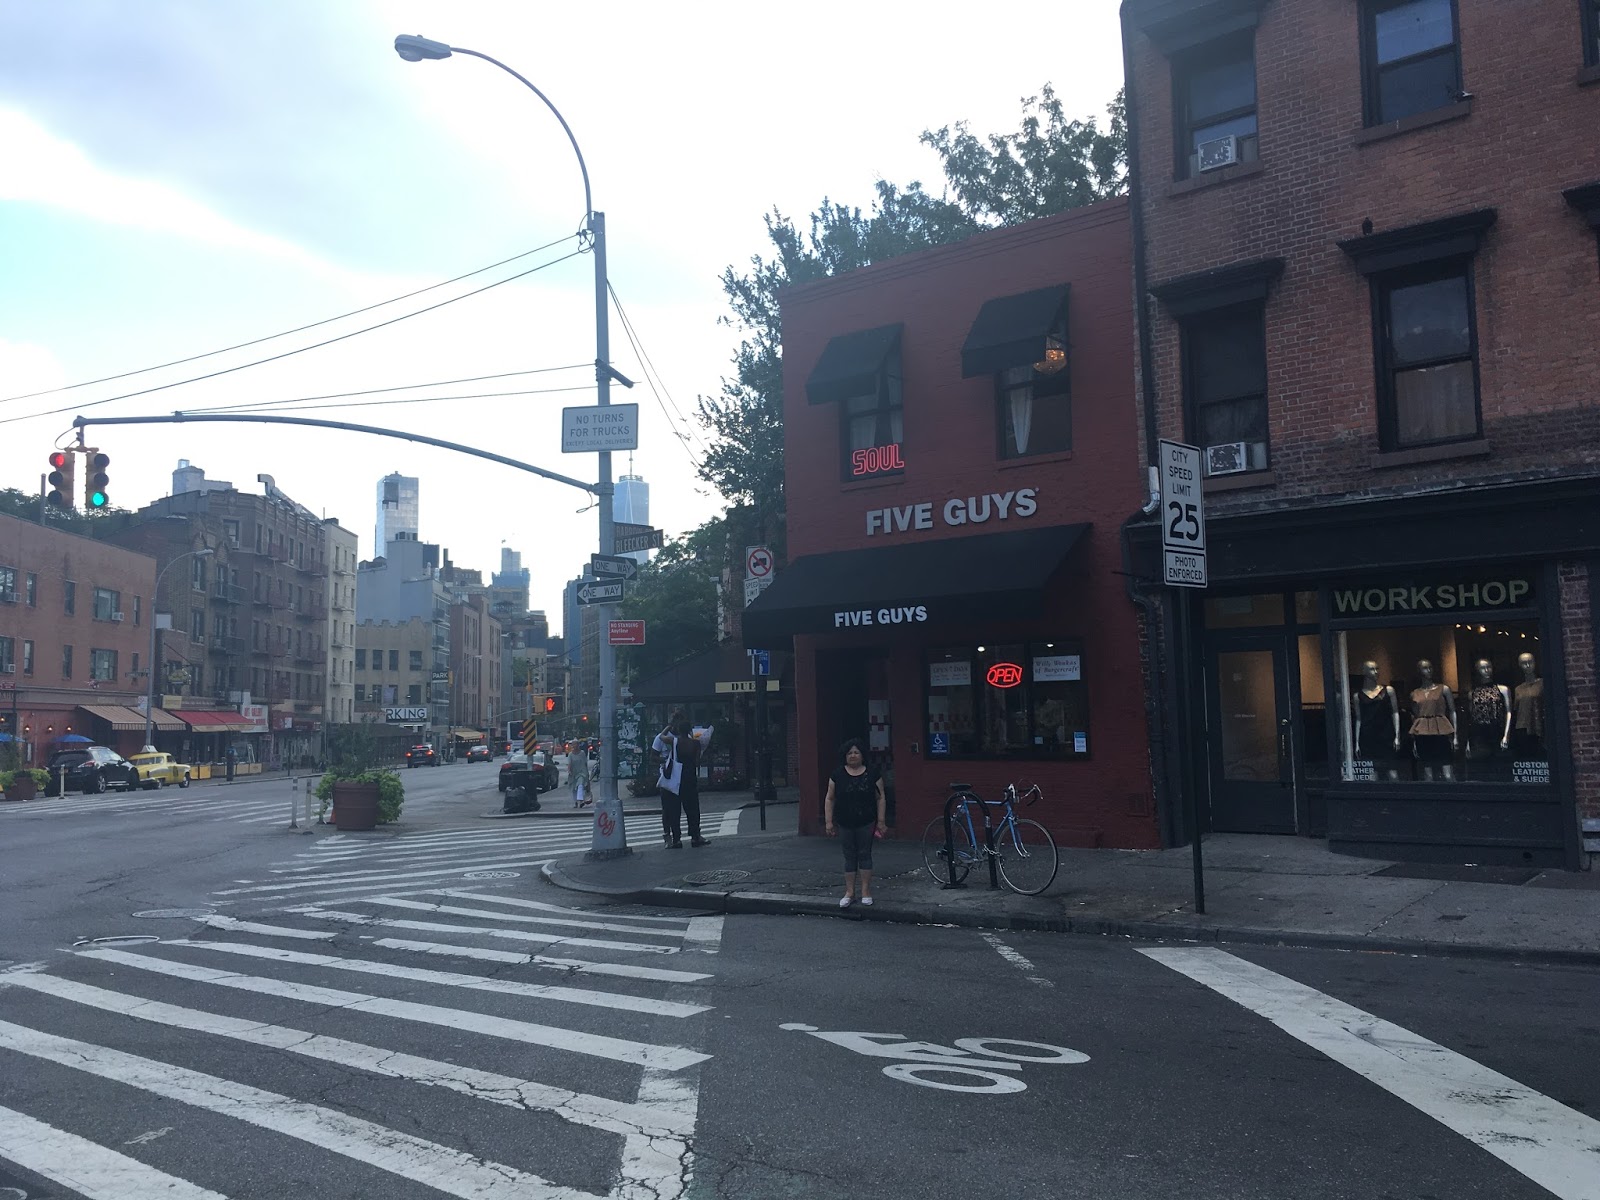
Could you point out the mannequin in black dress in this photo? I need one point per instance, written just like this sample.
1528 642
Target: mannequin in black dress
1377 718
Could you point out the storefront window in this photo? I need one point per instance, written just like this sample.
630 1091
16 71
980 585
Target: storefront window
1237 612
1012 700
1458 701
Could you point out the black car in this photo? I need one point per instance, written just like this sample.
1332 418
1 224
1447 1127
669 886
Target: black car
90 769
422 756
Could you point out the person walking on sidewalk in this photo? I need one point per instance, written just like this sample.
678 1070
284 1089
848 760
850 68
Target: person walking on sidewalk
578 774
856 802
680 748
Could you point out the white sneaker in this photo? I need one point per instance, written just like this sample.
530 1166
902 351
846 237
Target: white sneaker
867 900
844 902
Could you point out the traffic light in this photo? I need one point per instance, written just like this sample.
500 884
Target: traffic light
549 704
63 470
96 497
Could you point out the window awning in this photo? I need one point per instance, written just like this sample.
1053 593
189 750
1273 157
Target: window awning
115 715
467 735
906 586
1010 331
206 721
850 364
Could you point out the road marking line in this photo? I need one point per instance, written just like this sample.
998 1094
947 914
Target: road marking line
238 926
477 983
381 876
356 895
1556 1147
541 906
575 1041
515 935
704 935
578 1107
576 965
450 1171
1015 958
452 910
384 858
85 1167
730 823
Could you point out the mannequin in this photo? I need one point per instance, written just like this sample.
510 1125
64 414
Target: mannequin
1433 724
1377 718
1489 714
1528 708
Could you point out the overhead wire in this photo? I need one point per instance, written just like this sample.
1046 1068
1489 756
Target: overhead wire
653 378
403 387
355 312
267 406
299 350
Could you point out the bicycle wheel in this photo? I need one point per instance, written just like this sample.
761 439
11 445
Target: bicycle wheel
1028 858
944 869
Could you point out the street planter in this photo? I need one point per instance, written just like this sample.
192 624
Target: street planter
355 806
23 784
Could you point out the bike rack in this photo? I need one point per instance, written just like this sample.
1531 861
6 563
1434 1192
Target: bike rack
961 791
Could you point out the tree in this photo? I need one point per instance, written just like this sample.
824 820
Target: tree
676 597
1049 165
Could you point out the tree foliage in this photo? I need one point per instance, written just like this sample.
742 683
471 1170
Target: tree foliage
676 597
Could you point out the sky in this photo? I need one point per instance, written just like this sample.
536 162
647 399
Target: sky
183 176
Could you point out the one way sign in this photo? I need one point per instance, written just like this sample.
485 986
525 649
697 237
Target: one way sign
591 592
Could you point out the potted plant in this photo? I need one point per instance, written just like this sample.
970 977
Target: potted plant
23 783
361 800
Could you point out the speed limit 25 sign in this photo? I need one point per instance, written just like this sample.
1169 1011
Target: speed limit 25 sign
1183 517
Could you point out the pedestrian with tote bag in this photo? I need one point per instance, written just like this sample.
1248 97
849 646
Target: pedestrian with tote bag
680 748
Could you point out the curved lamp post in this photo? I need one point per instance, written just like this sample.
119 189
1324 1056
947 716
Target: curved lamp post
150 700
610 837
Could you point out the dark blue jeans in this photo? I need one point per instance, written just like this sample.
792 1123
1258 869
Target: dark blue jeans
857 843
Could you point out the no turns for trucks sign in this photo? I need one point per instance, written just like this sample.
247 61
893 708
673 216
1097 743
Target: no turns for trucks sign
1183 517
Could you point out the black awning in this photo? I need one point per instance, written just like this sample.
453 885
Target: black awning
983 577
851 363
1011 331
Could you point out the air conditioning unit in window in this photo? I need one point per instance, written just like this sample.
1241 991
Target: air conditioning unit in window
116 616
8 669
1218 152
1228 458
8 597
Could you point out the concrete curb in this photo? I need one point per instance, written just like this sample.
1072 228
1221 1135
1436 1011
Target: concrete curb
780 904
566 814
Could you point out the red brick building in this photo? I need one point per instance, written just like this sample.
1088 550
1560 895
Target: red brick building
1367 289
74 639
960 456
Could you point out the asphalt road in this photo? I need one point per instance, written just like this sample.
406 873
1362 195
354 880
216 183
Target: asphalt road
413 1013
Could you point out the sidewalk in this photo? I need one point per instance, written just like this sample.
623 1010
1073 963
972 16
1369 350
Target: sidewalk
1258 889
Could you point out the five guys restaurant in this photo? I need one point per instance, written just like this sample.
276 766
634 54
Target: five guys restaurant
961 454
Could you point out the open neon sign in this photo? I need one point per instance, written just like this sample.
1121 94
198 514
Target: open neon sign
1004 675
875 460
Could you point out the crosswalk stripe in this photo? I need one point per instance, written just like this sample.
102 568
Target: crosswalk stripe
216 921
399 877
575 965
310 898
575 1041
705 935
1553 1145
86 1167
450 1171
541 906
515 935
504 987
414 841
730 823
380 858
452 910
579 1108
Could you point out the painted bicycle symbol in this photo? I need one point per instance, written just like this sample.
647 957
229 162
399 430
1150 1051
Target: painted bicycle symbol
973 1064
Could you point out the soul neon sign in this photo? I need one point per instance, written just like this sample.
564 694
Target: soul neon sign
876 459
1004 675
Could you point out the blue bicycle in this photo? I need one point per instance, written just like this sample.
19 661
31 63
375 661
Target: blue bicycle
1023 850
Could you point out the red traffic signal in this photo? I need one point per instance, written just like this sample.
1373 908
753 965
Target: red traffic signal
549 704
63 471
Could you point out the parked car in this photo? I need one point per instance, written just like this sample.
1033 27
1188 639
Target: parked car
90 769
478 753
422 755
157 770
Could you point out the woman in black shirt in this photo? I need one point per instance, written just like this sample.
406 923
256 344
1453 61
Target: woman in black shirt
856 804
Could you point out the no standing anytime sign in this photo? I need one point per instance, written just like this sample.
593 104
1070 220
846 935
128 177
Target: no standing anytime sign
1183 518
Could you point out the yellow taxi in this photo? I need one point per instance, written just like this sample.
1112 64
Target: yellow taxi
157 770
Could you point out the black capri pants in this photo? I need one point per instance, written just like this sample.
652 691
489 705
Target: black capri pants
857 843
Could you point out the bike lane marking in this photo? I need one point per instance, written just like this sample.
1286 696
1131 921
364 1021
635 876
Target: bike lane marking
1553 1145
923 1063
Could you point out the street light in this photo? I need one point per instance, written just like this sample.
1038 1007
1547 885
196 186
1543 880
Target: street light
610 837
150 700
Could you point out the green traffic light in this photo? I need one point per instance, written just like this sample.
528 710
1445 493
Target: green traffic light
98 500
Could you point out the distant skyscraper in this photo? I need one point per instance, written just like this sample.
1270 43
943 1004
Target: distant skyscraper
631 505
397 511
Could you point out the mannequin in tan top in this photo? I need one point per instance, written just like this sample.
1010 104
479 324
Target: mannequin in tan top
1433 725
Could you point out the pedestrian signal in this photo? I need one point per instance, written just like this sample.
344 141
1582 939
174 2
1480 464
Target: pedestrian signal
549 704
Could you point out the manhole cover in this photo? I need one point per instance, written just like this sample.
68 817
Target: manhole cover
175 914
121 939
705 877
491 875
